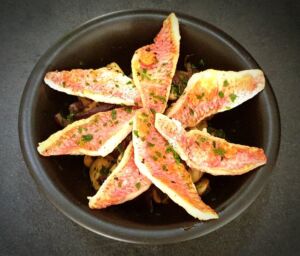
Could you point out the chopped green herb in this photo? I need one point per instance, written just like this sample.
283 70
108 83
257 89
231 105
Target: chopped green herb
144 114
95 81
219 152
170 149
225 83
191 112
233 97
158 153
131 123
154 158
80 129
152 111
199 97
87 83
144 74
221 94
117 85
138 185
129 82
128 109
136 133
165 168
113 114
150 144
87 137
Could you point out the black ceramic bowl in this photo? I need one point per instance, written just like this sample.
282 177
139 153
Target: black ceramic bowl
115 37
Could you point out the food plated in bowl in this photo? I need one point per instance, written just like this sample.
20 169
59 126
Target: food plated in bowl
131 220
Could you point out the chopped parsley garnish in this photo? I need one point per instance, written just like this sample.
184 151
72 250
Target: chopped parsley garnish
158 153
150 144
117 85
138 185
144 74
113 114
219 152
136 133
221 94
87 137
131 122
128 109
80 129
232 97
225 83
152 111
199 97
191 112
165 168
129 82
154 158
158 97
175 155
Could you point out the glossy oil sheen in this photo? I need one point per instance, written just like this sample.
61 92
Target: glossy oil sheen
115 37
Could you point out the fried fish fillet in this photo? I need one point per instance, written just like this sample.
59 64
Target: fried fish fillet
123 184
213 91
210 154
97 135
153 66
160 164
107 84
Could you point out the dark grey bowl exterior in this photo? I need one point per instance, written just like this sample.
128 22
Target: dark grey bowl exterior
114 37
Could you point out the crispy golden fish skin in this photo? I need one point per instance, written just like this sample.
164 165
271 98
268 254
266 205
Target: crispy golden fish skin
97 135
207 153
213 91
123 184
108 84
158 162
153 66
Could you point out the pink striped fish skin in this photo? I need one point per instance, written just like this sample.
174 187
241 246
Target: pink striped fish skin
123 184
97 135
156 160
153 66
207 153
108 84
212 91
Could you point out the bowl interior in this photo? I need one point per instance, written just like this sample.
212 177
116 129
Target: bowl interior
100 42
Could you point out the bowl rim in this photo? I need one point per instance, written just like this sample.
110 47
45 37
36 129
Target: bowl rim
136 235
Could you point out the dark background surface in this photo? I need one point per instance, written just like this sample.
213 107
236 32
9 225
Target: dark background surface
30 225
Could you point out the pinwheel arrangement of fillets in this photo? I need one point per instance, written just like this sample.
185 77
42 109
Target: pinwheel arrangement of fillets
168 146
